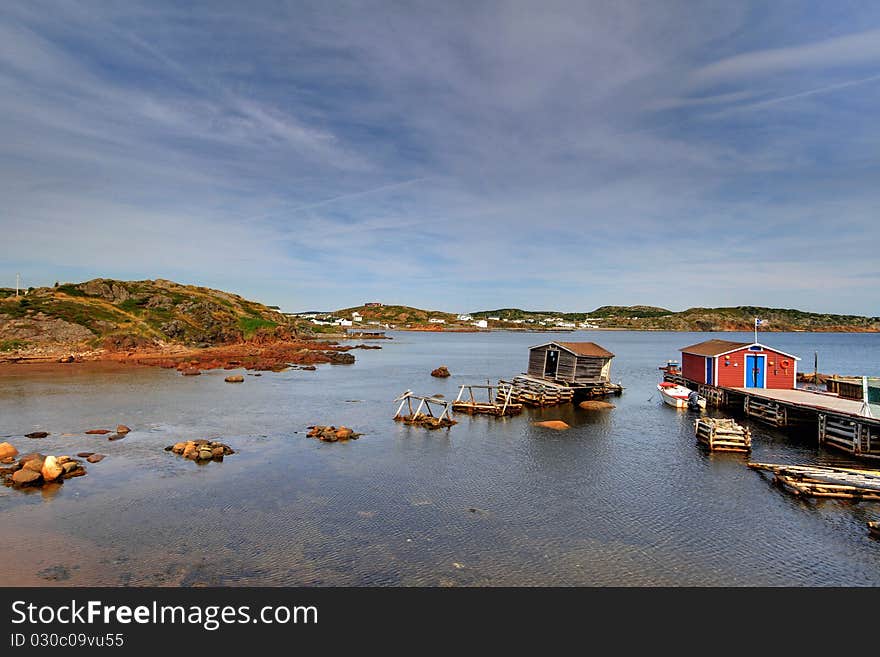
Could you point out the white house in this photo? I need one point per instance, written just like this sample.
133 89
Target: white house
494 319
481 323
356 317
436 320
344 322
464 318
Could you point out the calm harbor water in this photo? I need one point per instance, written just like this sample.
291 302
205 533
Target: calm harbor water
625 497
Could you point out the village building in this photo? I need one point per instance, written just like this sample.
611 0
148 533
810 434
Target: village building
570 362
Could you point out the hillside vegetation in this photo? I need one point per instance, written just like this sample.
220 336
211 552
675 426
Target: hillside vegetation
104 312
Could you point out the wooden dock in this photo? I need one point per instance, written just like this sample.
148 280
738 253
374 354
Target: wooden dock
723 435
538 393
839 422
825 481
488 400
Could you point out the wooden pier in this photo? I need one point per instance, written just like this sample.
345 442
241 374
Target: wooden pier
497 400
825 481
839 422
723 435
424 414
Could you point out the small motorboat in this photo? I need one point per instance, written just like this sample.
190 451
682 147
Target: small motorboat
680 397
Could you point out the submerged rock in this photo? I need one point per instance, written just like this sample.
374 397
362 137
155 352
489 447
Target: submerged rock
595 405
97 432
557 425
235 378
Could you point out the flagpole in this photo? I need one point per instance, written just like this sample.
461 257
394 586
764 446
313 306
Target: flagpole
756 330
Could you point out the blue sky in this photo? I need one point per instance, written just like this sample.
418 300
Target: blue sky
455 156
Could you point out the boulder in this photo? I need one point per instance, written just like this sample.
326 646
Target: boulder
557 425
36 434
84 455
95 458
235 378
97 432
344 433
217 452
191 371
441 372
595 405
121 428
178 448
66 359
190 451
34 464
7 451
25 477
70 466
205 454
308 368
116 436
6 460
51 469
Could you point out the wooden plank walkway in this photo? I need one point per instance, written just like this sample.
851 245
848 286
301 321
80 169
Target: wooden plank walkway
806 399
825 481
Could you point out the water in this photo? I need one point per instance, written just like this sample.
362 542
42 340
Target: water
625 497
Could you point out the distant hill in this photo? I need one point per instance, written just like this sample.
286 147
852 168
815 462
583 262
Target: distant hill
397 315
105 312
740 318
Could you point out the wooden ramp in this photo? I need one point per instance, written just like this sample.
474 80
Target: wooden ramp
488 400
723 435
825 481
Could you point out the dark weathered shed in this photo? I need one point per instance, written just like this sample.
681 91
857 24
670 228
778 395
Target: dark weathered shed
570 362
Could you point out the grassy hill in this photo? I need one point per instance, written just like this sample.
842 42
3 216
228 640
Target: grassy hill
104 312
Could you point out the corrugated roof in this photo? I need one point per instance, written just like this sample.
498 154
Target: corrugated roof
586 349
713 347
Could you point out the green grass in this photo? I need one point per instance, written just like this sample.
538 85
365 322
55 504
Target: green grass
71 290
250 325
12 345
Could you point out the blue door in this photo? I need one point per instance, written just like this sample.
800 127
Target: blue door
754 371
710 369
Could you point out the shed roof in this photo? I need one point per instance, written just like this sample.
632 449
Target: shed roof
581 348
721 347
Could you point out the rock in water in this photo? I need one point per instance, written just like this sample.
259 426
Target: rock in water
95 458
235 378
595 405
37 434
25 477
97 432
84 455
191 372
7 450
121 428
51 469
557 425
441 372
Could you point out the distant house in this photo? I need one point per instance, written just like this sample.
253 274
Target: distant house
464 318
372 304
739 365
481 323
494 319
356 317
436 320
344 322
570 362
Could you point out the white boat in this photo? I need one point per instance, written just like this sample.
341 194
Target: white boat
680 397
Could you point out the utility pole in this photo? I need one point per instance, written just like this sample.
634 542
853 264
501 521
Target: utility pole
17 283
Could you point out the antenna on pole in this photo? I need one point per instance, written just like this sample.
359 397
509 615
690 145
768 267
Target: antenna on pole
17 283
865 411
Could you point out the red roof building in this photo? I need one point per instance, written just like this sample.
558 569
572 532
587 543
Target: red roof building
739 365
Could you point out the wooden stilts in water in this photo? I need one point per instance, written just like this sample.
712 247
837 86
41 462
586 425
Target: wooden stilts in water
498 400
426 419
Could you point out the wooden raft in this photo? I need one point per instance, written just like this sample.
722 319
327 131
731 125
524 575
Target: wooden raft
535 392
424 414
498 400
723 435
825 481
